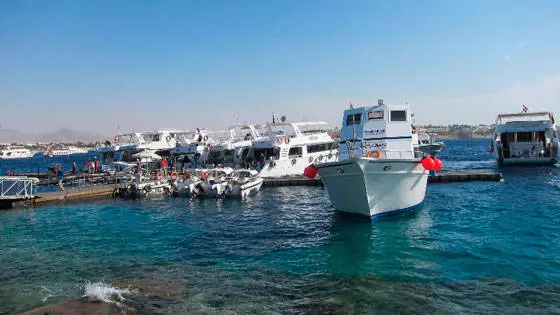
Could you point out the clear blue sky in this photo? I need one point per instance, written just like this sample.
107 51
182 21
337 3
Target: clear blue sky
96 65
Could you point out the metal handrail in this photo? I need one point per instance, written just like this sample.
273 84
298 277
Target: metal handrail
17 187
364 151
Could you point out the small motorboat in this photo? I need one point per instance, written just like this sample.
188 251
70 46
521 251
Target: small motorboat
213 182
141 184
243 183
186 185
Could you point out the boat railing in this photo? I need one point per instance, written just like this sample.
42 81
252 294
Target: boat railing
382 153
17 187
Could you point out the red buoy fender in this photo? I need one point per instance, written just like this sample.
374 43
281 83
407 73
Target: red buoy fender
310 171
428 163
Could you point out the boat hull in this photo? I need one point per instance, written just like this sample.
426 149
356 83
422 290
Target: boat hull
246 190
375 187
294 166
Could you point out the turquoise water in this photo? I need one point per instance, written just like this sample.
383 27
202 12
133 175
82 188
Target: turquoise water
474 248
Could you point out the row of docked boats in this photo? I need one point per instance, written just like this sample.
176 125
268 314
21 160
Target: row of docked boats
276 149
210 183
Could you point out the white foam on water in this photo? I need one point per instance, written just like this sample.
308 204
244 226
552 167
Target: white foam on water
99 291
49 293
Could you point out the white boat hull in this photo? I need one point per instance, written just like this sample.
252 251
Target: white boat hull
150 188
246 190
375 187
295 166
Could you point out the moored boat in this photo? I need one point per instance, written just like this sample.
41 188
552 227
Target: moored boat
15 153
378 171
285 149
525 139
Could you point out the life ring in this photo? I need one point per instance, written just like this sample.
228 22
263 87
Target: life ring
205 138
203 176
373 154
174 175
117 138
287 139
294 161
279 139
329 156
320 158
168 138
310 159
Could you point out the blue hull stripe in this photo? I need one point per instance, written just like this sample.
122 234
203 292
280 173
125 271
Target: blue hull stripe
393 212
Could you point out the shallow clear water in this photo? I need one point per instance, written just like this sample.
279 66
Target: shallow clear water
474 248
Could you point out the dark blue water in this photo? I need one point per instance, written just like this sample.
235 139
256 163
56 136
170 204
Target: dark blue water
41 164
475 248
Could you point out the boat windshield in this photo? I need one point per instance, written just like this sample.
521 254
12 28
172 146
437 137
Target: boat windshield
280 129
312 128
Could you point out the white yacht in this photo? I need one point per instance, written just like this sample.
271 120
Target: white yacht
65 151
231 148
191 146
378 171
287 148
15 153
140 146
525 138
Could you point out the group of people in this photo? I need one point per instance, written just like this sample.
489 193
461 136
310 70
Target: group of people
93 166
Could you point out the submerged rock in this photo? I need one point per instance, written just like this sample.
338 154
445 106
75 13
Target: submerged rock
83 308
161 288
319 306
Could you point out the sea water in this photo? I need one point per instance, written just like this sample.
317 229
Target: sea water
478 247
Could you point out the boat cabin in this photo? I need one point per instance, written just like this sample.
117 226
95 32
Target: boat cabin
526 138
379 131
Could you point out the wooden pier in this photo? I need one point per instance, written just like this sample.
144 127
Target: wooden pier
70 194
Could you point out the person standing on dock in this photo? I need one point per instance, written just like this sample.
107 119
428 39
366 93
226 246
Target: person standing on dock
89 166
96 165
74 166
60 174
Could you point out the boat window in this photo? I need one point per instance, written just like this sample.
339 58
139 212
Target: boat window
398 115
319 147
354 119
377 114
295 152
524 136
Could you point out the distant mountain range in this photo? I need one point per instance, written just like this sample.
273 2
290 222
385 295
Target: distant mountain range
61 135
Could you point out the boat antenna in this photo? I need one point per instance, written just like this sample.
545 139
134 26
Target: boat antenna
273 117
